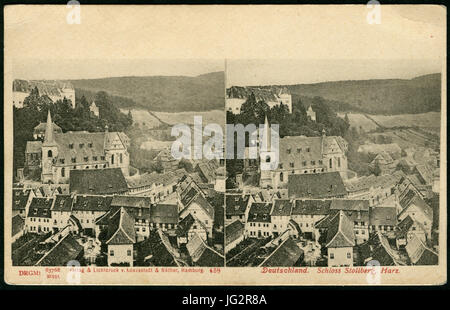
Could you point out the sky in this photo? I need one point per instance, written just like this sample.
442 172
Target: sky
300 71
323 42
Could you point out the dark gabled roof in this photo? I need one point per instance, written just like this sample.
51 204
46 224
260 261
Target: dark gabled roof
121 228
40 207
97 181
20 198
206 171
340 232
92 203
185 225
154 250
349 205
321 185
285 255
131 201
64 251
41 128
236 204
383 216
233 231
282 207
63 203
419 253
202 202
311 207
378 248
164 214
188 195
202 255
17 225
406 198
421 205
260 212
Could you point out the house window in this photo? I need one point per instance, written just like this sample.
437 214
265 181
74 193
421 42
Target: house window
94 158
61 160
129 252
331 163
49 153
90 145
339 162
320 162
291 165
313 162
74 159
86 158
81 145
120 157
111 253
281 166
281 177
71 146
308 149
304 163
299 150
349 255
63 172
112 159
102 157
288 151
332 255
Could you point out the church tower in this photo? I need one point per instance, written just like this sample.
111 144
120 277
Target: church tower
49 151
265 155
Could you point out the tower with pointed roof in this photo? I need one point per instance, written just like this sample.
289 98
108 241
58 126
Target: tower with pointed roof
49 151
311 114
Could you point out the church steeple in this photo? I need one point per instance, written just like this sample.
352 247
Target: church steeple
48 138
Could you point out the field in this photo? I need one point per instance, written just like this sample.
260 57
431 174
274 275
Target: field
150 144
360 121
212 116
428 121
410 137
142 117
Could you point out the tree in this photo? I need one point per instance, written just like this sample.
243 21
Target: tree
186 165
377 169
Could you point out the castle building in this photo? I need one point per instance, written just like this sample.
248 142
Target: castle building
236 96
55 90
311 114
63 152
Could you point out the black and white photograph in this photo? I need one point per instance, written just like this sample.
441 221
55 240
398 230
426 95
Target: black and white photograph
95 181
357 178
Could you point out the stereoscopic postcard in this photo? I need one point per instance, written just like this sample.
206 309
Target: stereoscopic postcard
225 145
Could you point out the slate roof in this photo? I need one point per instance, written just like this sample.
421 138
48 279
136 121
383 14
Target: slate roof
311 207
378 248
260 212
383 158
233 231
97 181
64 251
121 228
266 95
420 204
206 172
63 203
185 225
40 207
92 203
236 204
419 253
403 227
154 249
425 173
33 147
17 225
20 198
282 207
383 216
349 205
321 185
164 213
149 179
285 255
131 201
203 203
340 232
202 255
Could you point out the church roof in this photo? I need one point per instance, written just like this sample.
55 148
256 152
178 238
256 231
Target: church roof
97 181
